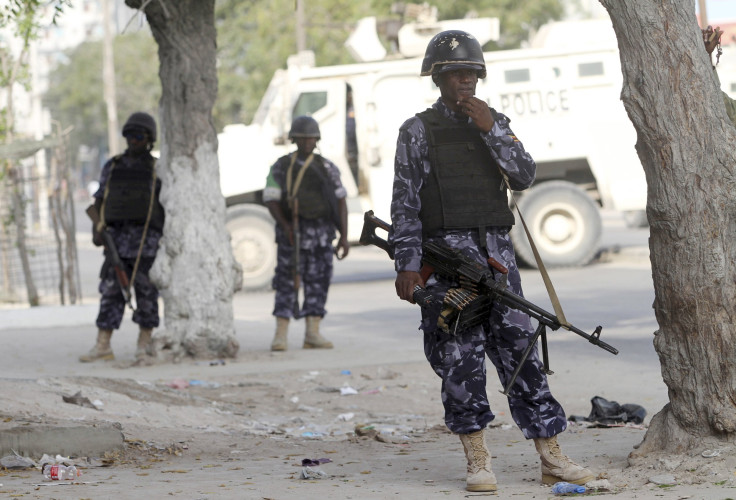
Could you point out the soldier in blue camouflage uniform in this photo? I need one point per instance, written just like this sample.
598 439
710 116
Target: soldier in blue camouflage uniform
314 182
448 186
127 201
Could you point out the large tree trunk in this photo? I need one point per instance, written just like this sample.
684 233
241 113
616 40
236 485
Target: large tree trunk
685 143
194 269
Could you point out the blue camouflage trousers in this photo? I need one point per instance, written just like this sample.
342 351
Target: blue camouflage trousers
112 303
315 265
459 360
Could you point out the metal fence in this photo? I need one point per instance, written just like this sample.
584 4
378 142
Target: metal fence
38 253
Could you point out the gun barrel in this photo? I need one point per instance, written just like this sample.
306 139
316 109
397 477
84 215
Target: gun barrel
296 257
551 320
593 338
453 263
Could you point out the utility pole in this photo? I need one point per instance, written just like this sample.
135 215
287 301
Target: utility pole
108 82
703 14
301 36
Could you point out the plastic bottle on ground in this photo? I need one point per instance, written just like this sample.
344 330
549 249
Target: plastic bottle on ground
563 487
57 472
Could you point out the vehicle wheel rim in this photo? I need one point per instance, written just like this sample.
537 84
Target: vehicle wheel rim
559 229
251 254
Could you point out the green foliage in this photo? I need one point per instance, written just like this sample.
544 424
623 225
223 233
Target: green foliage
14 10
76 97
256 36
254 39
517 17
21 18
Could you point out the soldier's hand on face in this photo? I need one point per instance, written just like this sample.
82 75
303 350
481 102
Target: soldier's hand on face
405 283
478 111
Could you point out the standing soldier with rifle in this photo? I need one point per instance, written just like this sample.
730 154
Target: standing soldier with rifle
306 198
451 161
128 221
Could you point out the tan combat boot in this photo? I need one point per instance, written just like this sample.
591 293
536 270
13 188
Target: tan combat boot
101 350
558 467
282 329
312 337
480 476
144 347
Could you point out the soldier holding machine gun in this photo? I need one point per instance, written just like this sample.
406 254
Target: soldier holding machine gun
451 161
306 198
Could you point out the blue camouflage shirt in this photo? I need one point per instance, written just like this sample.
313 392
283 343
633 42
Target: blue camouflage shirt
412 168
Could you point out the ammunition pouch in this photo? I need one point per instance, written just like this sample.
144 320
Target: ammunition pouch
463 309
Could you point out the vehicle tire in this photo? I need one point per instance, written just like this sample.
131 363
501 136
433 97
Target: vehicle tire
252 237
565 224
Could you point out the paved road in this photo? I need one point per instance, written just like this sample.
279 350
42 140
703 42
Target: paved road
370 325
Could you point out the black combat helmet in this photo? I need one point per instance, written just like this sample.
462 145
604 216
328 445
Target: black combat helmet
453 49
304 126
139 119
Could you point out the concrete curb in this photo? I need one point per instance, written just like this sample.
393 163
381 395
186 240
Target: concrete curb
34 441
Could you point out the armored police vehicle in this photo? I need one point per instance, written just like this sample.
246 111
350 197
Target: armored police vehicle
562 94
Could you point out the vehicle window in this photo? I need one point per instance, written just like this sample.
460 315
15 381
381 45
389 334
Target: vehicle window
309 102
590 69
516 75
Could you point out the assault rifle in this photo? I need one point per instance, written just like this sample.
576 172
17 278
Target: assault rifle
113 255
470 304
297 277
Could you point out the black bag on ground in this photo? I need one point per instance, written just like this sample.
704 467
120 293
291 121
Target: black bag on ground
610 412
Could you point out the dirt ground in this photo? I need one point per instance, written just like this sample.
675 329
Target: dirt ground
377 431
370 416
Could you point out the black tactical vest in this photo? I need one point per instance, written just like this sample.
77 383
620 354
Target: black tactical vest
128 194
465 188
316 194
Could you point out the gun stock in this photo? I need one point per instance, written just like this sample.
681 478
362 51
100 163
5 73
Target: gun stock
368 235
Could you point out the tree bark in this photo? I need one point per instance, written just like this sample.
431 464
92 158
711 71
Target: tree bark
685 143
19 219
194 270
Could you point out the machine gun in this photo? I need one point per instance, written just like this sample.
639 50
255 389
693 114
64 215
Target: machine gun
469 304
